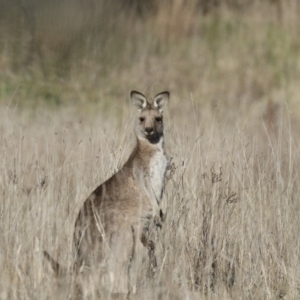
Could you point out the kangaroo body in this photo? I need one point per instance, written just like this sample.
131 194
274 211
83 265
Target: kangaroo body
111 230
119 210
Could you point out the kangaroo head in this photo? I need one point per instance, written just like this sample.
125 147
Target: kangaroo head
150 118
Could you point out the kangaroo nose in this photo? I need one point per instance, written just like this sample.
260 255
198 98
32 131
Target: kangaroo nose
148 129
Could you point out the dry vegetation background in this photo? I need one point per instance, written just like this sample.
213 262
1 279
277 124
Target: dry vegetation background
232 129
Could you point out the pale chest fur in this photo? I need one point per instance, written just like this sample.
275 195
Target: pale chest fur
157 170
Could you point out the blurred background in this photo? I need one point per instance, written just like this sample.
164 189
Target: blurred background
239 54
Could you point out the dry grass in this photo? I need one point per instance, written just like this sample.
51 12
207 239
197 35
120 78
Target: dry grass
232 203
232 200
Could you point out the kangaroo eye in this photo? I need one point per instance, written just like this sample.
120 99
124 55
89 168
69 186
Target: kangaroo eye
142 119
158 119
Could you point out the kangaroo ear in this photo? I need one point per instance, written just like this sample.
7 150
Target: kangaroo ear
161 100
138 100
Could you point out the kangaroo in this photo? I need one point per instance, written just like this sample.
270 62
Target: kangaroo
111 230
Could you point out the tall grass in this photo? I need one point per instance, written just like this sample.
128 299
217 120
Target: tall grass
231 200
232 228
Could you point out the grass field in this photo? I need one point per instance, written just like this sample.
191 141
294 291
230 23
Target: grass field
231 127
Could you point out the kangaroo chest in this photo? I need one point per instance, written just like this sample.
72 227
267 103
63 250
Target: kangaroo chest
157 170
